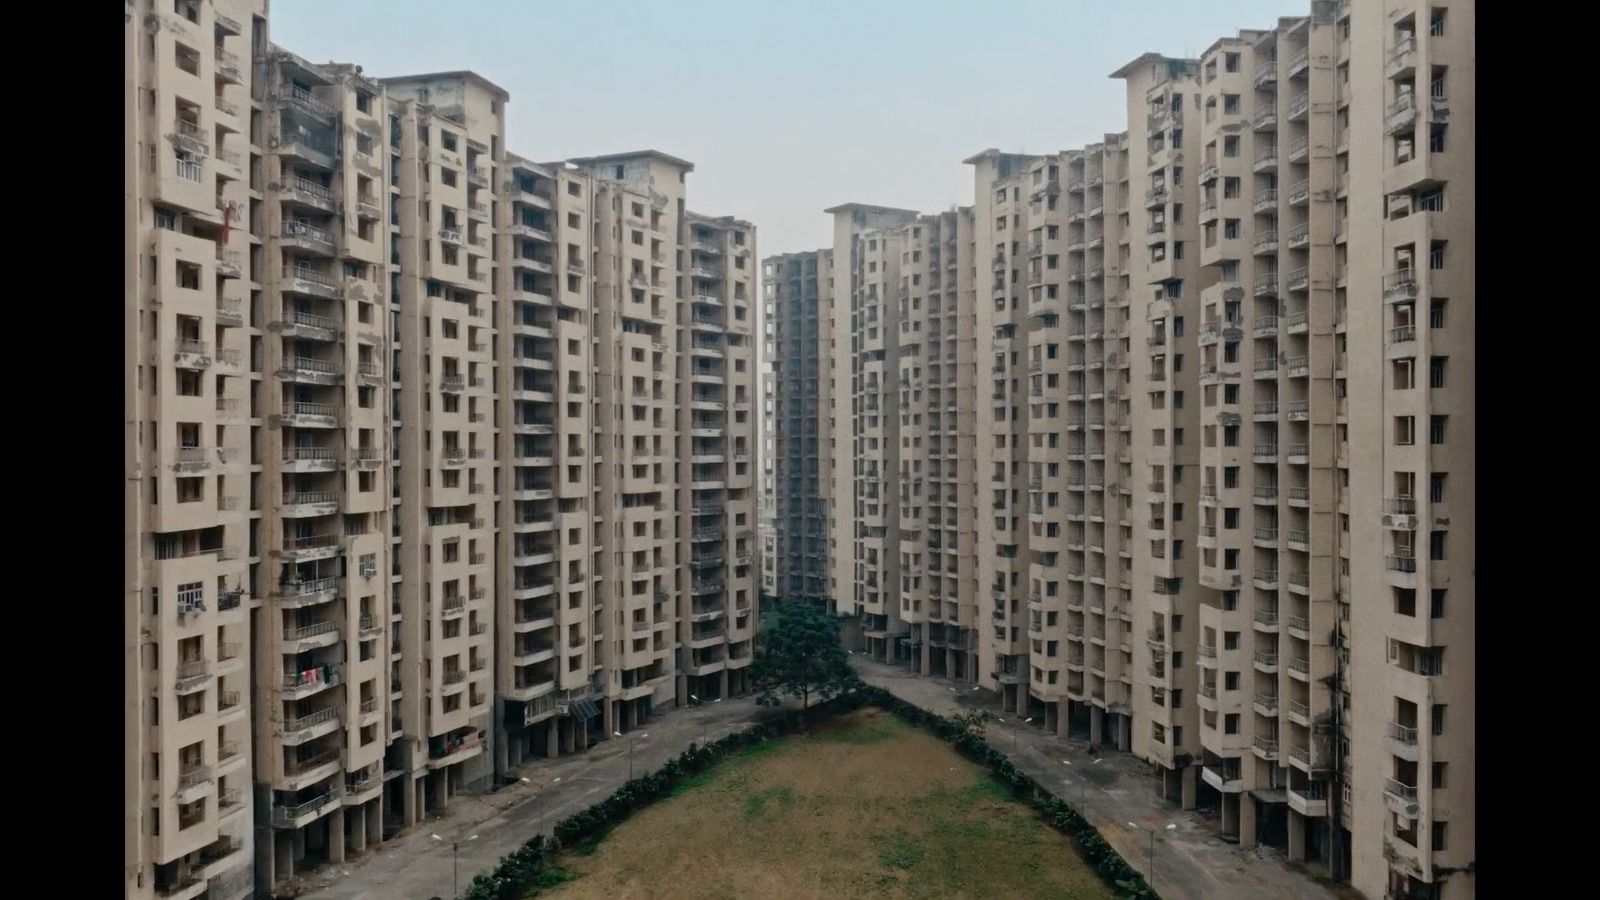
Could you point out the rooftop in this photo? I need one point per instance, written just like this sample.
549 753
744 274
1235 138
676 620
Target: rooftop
667 158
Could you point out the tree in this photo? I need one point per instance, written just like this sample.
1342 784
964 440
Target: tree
801 656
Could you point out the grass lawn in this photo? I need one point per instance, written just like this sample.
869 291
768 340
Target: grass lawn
863 806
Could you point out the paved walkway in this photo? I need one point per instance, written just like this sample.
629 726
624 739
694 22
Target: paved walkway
413 866
1191 861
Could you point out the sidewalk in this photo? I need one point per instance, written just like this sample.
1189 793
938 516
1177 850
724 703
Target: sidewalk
413 866
1191 861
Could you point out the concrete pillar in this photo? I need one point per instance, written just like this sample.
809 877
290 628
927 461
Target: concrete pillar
1064 719
358 828
1191 779
1097 724
724 684
1230 813
1124 733
283 858
412 800
375 822
552 739
1297 837
1247 821
1022 700
569 735
441 790
1049 716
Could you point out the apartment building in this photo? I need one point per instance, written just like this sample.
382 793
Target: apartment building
193 273
1409 241
446 137
865 529
935 410
717 412
423 439
547 682
319 650
798 306
1164 284
1199 457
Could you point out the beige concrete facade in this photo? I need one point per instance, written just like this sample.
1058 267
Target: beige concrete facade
798 308
1201 506
1408 275
438 458
194 270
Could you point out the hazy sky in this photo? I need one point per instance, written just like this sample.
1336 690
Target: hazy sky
785 108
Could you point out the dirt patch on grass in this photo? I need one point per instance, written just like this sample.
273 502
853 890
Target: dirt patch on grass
862 806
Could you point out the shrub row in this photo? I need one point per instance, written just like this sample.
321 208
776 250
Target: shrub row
518 872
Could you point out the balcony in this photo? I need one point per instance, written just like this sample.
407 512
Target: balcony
1266 662
305 280
308 237
1265 747
1401 59
297 685
228 67
302 100
1265 119
191 675
1400 284
311 459
1400 115
1400 797
1310 800
1299 104
299 814
310 546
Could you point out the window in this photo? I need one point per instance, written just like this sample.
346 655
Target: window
1438 837
1230 146
1436 545
1230 723
1436 313
1438 718
1436 138
1230 681
1405 602
1436 429
1436 604
1230 61
1404 431
1431 200
1436 371
1402 377
1230 104
1436 487
1436 22
1230 518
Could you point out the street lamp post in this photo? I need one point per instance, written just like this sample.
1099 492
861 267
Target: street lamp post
631 742
1152 848
455 861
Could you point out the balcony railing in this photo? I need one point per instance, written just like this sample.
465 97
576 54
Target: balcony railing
1405 734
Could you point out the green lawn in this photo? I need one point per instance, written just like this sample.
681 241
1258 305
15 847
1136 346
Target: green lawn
863 806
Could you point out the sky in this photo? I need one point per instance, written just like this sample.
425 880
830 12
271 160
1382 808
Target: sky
784 107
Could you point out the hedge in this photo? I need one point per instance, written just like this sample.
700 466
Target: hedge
517 873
